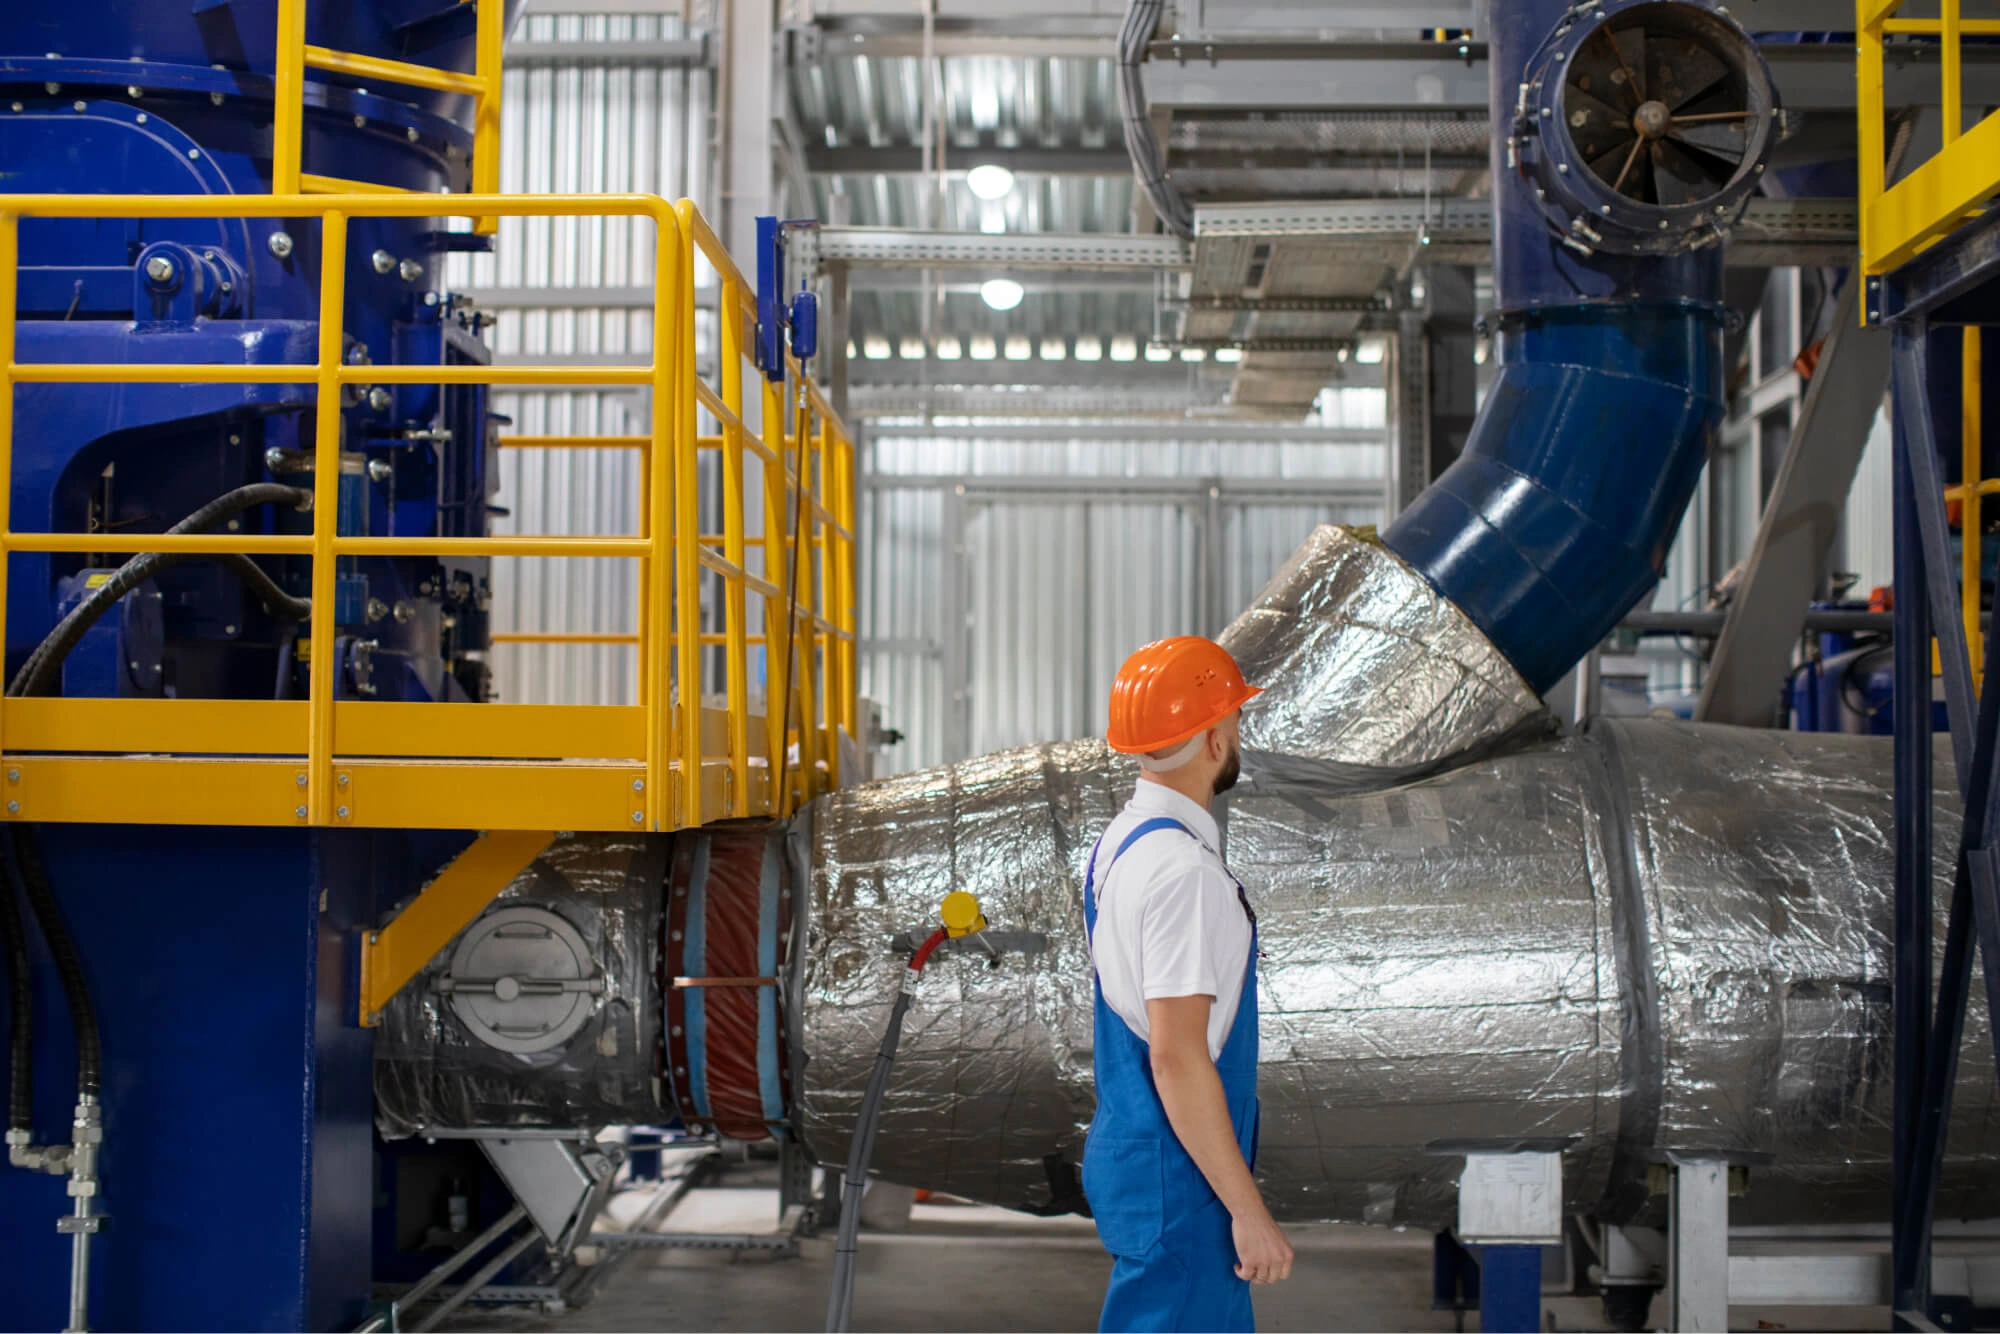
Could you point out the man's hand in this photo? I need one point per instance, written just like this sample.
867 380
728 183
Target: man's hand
1262 1253
1191 1093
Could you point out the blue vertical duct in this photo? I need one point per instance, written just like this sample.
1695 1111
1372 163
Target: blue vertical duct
1608 325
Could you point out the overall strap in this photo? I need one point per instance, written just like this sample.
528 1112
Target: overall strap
1152 826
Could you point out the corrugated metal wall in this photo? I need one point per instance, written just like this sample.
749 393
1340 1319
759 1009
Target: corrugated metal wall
573 290
1003 582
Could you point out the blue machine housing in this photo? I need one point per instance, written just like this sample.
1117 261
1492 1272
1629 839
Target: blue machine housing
240 1162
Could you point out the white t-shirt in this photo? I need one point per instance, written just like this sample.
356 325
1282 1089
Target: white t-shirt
1168 920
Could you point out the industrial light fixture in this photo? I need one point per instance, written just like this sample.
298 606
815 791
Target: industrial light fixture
911 349
1054 349
948 348
1159 352
1019 347
1194 354
1124 347
1089 347
1369 351
990 181
1001 293
1229 354
983 347
875 347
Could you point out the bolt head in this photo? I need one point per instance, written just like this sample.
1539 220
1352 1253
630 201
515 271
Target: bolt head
300 812
77 105
379 399
380 470
638 817
13 775
301 780
341 780
13 808
409 270
638 785
160 269
132 90
411 134
281 244
1605 210
229 630
1562 168
383 261
340 811
430 298
360 122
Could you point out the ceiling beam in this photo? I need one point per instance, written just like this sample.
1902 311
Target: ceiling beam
907 160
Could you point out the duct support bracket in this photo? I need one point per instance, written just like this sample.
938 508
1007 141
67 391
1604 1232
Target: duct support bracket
1698 1244
393 955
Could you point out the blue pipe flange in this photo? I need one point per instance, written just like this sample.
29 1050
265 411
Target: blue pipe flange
1646 126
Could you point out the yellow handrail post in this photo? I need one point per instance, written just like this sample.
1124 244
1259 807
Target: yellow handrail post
687 556
10 260
831 687
1953 108
489 34
658 582
849 594
1870 155
777 609
326 516
734 548
805 600
289 92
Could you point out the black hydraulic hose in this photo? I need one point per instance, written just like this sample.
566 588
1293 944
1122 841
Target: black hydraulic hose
35 674
20 1013
69 964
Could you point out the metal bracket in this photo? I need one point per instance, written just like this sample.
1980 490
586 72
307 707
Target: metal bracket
393 955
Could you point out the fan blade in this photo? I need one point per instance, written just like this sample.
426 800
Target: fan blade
1680 71
1594 69
1610 166
1631 44
1680 176
1724 139
1593 126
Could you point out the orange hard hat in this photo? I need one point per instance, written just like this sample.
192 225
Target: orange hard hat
1172 690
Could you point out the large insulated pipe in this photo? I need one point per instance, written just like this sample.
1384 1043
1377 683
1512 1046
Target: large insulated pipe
1651 938
1635 134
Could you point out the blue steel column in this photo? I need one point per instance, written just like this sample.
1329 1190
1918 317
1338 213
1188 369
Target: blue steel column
1557 517
1912 995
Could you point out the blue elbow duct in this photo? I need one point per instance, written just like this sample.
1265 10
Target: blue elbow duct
1612 191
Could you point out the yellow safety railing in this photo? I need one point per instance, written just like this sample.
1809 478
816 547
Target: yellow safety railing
668 762
295 56
1957 182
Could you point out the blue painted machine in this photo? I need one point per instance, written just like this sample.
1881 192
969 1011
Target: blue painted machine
235 1101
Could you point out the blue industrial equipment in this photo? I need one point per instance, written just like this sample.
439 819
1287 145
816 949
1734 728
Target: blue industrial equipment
779 320
1557 517
237 1111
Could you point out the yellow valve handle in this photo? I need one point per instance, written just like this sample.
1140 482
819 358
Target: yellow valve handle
961 914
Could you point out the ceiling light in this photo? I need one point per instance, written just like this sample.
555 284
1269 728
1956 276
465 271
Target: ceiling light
1001 293
1019 347
948 349
1158 352
1370 351
911 349
982 347
990 181
1229 354
1089 347
1124 348
1194 354
875 347
1054 349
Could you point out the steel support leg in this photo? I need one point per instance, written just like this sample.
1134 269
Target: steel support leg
1510 1288
1912 995
1698 1246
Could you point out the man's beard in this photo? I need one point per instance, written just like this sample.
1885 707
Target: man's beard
1230 772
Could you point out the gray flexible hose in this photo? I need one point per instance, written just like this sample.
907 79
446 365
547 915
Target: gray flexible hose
840 1301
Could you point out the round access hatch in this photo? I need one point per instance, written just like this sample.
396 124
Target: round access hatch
522 980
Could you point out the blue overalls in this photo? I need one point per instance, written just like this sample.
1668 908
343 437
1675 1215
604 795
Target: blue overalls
1155 1212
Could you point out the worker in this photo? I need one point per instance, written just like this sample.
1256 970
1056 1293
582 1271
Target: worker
1173 943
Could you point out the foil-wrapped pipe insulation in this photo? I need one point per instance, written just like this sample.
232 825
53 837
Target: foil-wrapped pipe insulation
1345 620
1647 938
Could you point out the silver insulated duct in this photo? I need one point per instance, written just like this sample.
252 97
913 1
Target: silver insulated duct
1648 938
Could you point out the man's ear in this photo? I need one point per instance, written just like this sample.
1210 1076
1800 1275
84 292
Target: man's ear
1218 748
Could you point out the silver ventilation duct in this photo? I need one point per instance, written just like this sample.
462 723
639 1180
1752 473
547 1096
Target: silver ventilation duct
1648 938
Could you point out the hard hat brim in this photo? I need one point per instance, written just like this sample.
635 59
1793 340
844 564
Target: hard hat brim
1151 744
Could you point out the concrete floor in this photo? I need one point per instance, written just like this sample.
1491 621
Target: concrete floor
968 1267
